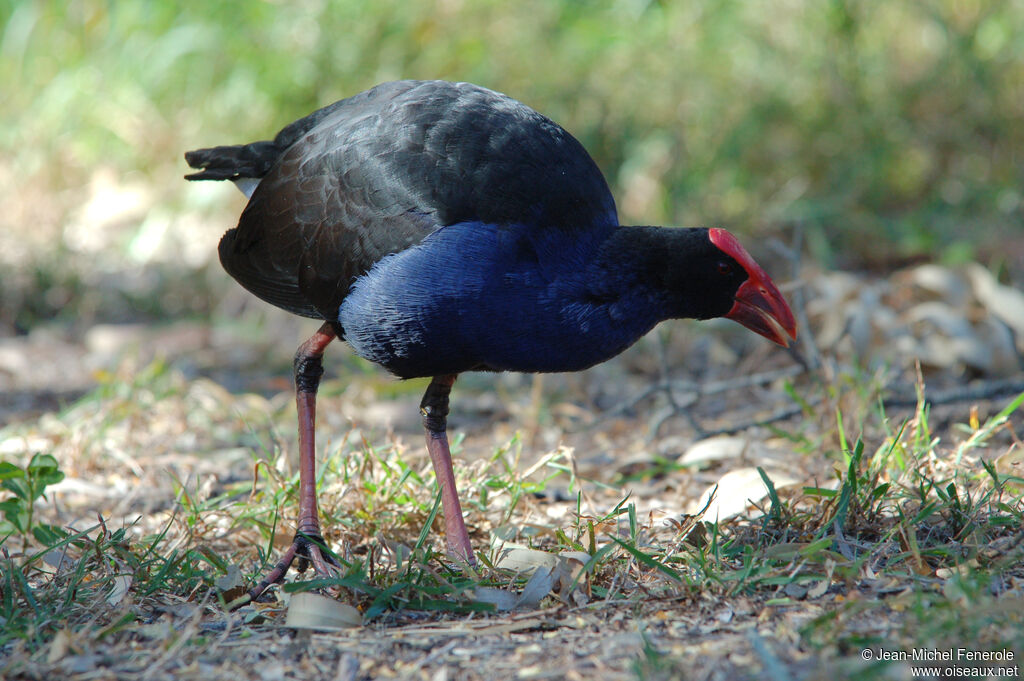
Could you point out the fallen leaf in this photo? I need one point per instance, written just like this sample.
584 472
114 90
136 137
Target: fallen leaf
313 611
1011 463
120 588
561 570
539 586
232 580
1003 302
573 579
501 599
714 449
941 282
59 647
521 559
957 570
735 490
58 560
819 589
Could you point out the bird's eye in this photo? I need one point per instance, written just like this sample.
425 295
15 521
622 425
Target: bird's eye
724 268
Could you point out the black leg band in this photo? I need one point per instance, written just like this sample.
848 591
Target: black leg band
308 370
434 406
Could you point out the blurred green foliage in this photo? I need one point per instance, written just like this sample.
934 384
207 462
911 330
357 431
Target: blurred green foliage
885 129
26 485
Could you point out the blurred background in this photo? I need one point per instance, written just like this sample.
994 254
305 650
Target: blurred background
885 134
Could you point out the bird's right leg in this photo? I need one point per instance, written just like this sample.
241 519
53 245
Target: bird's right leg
308 541
434 410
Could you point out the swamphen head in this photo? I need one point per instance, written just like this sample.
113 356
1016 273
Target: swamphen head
757 303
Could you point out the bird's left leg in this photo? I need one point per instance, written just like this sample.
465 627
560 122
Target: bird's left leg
308 541
434 409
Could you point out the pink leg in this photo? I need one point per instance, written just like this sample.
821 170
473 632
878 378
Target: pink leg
434 409
307 542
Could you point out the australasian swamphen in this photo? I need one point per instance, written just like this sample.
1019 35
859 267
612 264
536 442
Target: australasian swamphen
442 227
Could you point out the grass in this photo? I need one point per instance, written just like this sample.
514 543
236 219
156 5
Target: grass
915 539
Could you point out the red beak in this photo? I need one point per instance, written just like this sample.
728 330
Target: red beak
759 305
762 309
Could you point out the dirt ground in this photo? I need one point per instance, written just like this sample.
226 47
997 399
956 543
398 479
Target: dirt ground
618 433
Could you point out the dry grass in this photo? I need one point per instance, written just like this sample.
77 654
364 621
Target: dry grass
905 535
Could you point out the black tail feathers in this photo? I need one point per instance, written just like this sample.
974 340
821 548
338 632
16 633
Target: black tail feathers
230 163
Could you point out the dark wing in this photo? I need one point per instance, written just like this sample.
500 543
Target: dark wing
375 173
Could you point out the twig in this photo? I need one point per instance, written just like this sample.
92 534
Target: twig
749 381
841 543
699 389
774 417
906 395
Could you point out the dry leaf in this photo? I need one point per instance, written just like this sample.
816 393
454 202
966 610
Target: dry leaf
120 588
819 589
59 647
547 569
957 570
735 490
232 580
573 563
1011 463
1003 302
516 558
313 611
539 586
941 282
714 449
501 599
58 560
